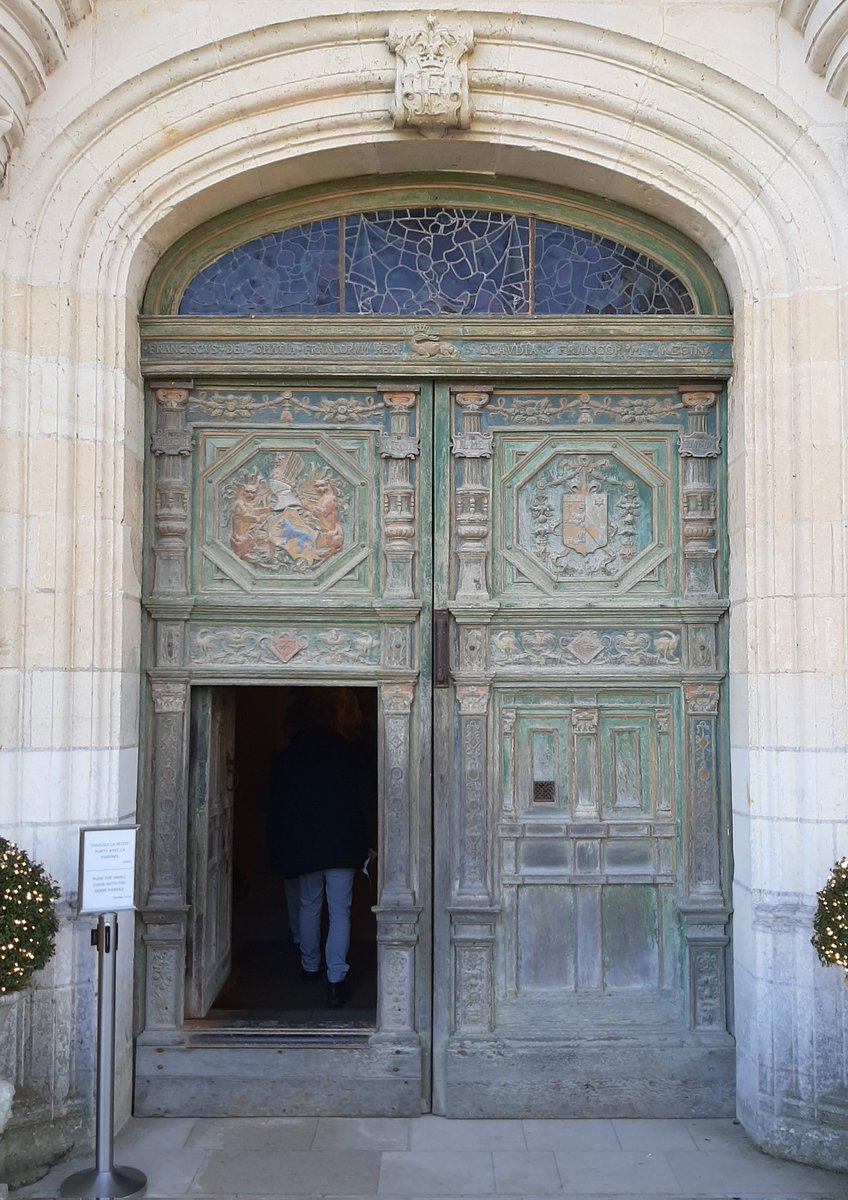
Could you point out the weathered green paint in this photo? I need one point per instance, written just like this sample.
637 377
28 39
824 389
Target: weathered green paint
557 486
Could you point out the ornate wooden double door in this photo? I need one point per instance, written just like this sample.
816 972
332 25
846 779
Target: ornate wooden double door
532 576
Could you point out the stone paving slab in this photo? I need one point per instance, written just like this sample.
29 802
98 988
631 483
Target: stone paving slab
433 1158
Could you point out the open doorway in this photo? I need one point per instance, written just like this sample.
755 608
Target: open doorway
264 983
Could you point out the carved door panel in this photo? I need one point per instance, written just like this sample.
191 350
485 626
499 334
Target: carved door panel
581 867
212 790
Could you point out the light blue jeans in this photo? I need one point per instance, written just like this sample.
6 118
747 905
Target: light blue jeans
338 884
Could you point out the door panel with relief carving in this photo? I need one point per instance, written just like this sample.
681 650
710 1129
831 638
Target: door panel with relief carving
583 868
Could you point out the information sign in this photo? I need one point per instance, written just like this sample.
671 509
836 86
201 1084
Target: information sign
107 868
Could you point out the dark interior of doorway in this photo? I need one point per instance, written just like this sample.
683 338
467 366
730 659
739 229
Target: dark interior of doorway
265 984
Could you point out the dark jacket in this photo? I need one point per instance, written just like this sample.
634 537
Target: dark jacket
317 799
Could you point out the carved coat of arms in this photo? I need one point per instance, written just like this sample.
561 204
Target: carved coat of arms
431 89
291 515
585 527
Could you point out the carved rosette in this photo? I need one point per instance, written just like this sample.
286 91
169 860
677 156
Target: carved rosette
397 701
170 445
473 450
431 83
399 449
699 448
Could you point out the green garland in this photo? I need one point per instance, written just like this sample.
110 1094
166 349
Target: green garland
831 920
28 921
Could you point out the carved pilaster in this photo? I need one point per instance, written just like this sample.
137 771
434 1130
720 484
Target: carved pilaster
431 85
473 449
704 881
584 724
698 448
397 937
164 977
508 760
170 446
169 752
397 701
473 936
398 449
472 867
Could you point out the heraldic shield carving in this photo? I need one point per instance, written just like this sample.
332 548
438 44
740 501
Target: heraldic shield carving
277 510
589 518
431 90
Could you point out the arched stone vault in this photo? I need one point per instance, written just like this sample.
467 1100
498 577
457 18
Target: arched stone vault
113 172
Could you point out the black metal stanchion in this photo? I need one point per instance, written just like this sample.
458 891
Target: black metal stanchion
105 1181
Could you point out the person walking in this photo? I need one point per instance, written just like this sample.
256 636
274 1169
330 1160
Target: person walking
318 793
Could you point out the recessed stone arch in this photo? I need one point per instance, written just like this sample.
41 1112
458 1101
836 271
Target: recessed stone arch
91 210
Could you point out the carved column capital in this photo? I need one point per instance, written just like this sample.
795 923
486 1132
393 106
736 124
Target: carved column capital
397 698
169 697
472 399
473 699
701 698
398 398
171 394
698 395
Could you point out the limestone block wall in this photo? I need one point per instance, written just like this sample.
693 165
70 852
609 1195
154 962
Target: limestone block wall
709 118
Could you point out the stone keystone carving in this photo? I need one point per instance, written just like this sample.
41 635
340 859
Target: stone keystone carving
431 87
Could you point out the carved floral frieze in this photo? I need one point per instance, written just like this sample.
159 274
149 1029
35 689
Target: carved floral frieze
247 646
342 409
570 647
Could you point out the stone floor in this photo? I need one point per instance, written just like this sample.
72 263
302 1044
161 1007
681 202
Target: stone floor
434 1157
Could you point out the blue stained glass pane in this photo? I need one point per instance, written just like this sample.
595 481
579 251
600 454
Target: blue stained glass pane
437 262
583 274
293 272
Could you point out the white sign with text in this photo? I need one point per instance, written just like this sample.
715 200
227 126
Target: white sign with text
107 868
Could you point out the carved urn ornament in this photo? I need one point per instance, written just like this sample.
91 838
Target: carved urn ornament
431 87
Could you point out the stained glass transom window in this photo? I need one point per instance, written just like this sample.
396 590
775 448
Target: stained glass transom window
435 261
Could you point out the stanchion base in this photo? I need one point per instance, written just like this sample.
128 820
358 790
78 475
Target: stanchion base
116 1184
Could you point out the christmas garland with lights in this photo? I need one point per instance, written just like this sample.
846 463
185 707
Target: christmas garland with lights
831 920
28 921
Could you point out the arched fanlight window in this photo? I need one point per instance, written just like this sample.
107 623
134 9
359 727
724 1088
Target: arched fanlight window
435 261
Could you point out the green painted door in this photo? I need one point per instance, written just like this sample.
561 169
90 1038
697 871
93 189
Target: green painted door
552 921
580 835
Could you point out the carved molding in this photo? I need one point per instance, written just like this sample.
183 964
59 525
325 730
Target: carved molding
431 83
397 698
823 25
